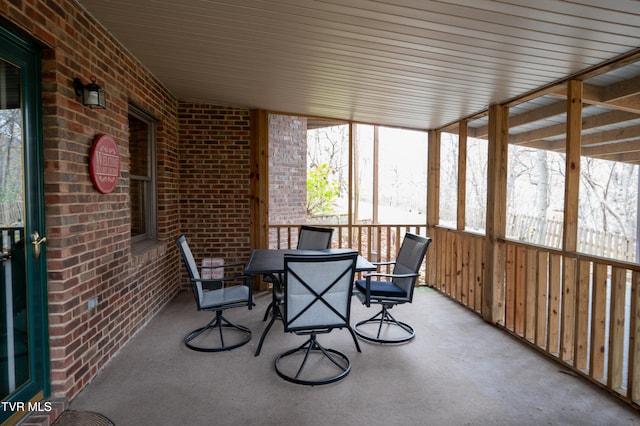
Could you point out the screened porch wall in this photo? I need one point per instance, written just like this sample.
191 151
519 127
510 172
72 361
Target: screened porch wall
578 309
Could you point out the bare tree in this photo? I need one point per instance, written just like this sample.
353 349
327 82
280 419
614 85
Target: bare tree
609 198
11 154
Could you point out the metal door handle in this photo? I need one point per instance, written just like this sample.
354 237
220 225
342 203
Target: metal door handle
36 240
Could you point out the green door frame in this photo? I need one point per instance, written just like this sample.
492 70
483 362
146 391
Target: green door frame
24 53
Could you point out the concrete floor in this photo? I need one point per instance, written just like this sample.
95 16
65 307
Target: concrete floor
458 370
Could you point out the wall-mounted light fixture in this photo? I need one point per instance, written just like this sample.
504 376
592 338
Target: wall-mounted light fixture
92 94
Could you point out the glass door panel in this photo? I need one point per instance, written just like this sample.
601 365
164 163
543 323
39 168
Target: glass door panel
24 362
14 334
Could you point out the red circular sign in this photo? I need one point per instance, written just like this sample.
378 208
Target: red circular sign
104 164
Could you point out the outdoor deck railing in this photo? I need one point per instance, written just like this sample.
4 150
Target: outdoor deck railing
377 243
456 266
582 311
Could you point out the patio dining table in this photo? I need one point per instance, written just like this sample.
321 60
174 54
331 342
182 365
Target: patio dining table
271 261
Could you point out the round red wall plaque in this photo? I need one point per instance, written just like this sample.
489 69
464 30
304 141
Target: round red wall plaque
104 164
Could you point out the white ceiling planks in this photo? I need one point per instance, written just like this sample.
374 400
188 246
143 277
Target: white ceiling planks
409 63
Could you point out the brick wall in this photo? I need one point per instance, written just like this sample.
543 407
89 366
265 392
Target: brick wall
287 169
88 249
202 191
214 181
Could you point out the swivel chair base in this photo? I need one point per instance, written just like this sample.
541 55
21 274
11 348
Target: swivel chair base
221 323
338 362
384 318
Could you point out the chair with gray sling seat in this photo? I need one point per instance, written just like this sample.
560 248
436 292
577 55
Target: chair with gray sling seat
217 295
309 238
383 327
317 299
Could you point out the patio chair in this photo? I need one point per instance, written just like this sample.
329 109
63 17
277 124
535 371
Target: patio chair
383 327
314 238
217 295
309 238
317 299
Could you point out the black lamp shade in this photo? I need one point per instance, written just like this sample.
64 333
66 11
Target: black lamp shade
92 94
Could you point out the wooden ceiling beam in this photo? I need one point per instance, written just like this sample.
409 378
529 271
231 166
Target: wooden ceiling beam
600 145
624 95
625 152
591 122
621 157
621 148
611 137
622 99
548 111
621 90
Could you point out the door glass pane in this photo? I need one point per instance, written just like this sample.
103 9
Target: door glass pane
14 349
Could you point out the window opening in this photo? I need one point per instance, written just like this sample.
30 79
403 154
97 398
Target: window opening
142 186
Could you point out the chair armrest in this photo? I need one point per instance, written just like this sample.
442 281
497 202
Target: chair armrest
413 274
247 280
223 279
222 266
368 283
391 262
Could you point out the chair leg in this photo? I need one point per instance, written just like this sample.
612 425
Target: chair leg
381 318
340 360
276 315
220 323
269 308
275 283
355 339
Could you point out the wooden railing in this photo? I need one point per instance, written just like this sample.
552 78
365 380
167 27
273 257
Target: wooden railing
581 310
378 243
456 266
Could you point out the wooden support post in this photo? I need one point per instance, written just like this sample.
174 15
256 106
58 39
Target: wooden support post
376 175
462 173
433 179
433 207
570 296
572 180
354 185
493 294
634 340
354 190
259 179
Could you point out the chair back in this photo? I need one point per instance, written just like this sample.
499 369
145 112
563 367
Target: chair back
410 257
314 238
318 291
192 268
